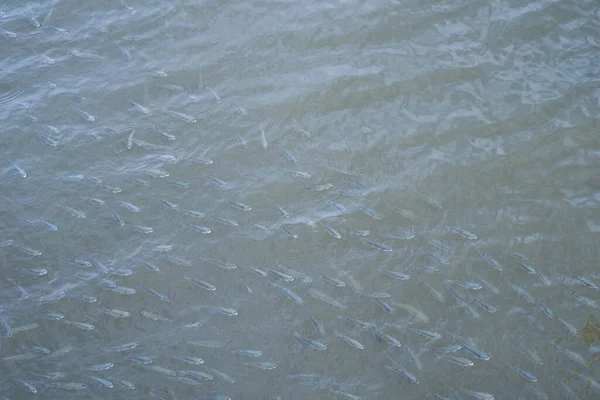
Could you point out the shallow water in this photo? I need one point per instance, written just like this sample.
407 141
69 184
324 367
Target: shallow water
290 129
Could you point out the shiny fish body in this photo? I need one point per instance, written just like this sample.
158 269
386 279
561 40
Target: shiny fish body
431 201
36 349
524 294
185 117
320 328
129 206
240 206
317 294
465 284
124 290
262 365
140 359
70 386
190 360
337 206
101 381
204 285
585 281
463 362
360 324
402 371
212 344
99 367
379 246
358 232
352 342
116 313
332 231
200 229
28 250
81 325
153 316
248 353
394 274
345 395
463 232
371 213
178 260
310 342
334 281
293 296
288 232
195 214
225 221
516 255
495 264
387 338
123 347
85 115
139 107
221 375
225 311
198 375
170 205
217 181
480 395
525 374
28 387
147 264
527 268
123 383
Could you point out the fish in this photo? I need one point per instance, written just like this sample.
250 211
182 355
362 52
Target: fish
360 324
20 170
101 381
116 313
123 383
222 264
192 213
408 375
213 344
153 316
463 362
116 217
81 325
217 181
413 311
33 21
345 395
371 213
395 274
123 347
18 287
431 201
337 206
62 351
527 268
263 137
178 260
401 236
487 307
224 221
36 349
200 229
139 359
52 316
572 330
262 365
258 272
573 356
214 94
320 328
495 264
221 375
288 232
434 256
332 231
428 334
241 206
379 246
465 284
147 264
131 207
317 294
78 261
98 367
282 211
47 375
294 161
358 232
85 115
185 117
97 201
352 342
108 283
204 285
28 250
386 307
26 386
47 225
525 374
174 88
69 386
139 107
155 172
248 353
161 370
100 265
452 348
522 292
334 281
310 342
123 290
22 328
168 136
189 360
169 204
300 174
480 395
463 232
516 255
290 294
198 374
585 281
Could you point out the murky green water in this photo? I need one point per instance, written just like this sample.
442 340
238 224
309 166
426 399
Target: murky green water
182 180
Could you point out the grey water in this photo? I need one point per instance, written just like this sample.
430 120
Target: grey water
294 200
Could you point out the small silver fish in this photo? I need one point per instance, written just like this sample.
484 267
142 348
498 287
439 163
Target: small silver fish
379 246
262 365
310 342
263 137
185 117
139 107
463 232
350 341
